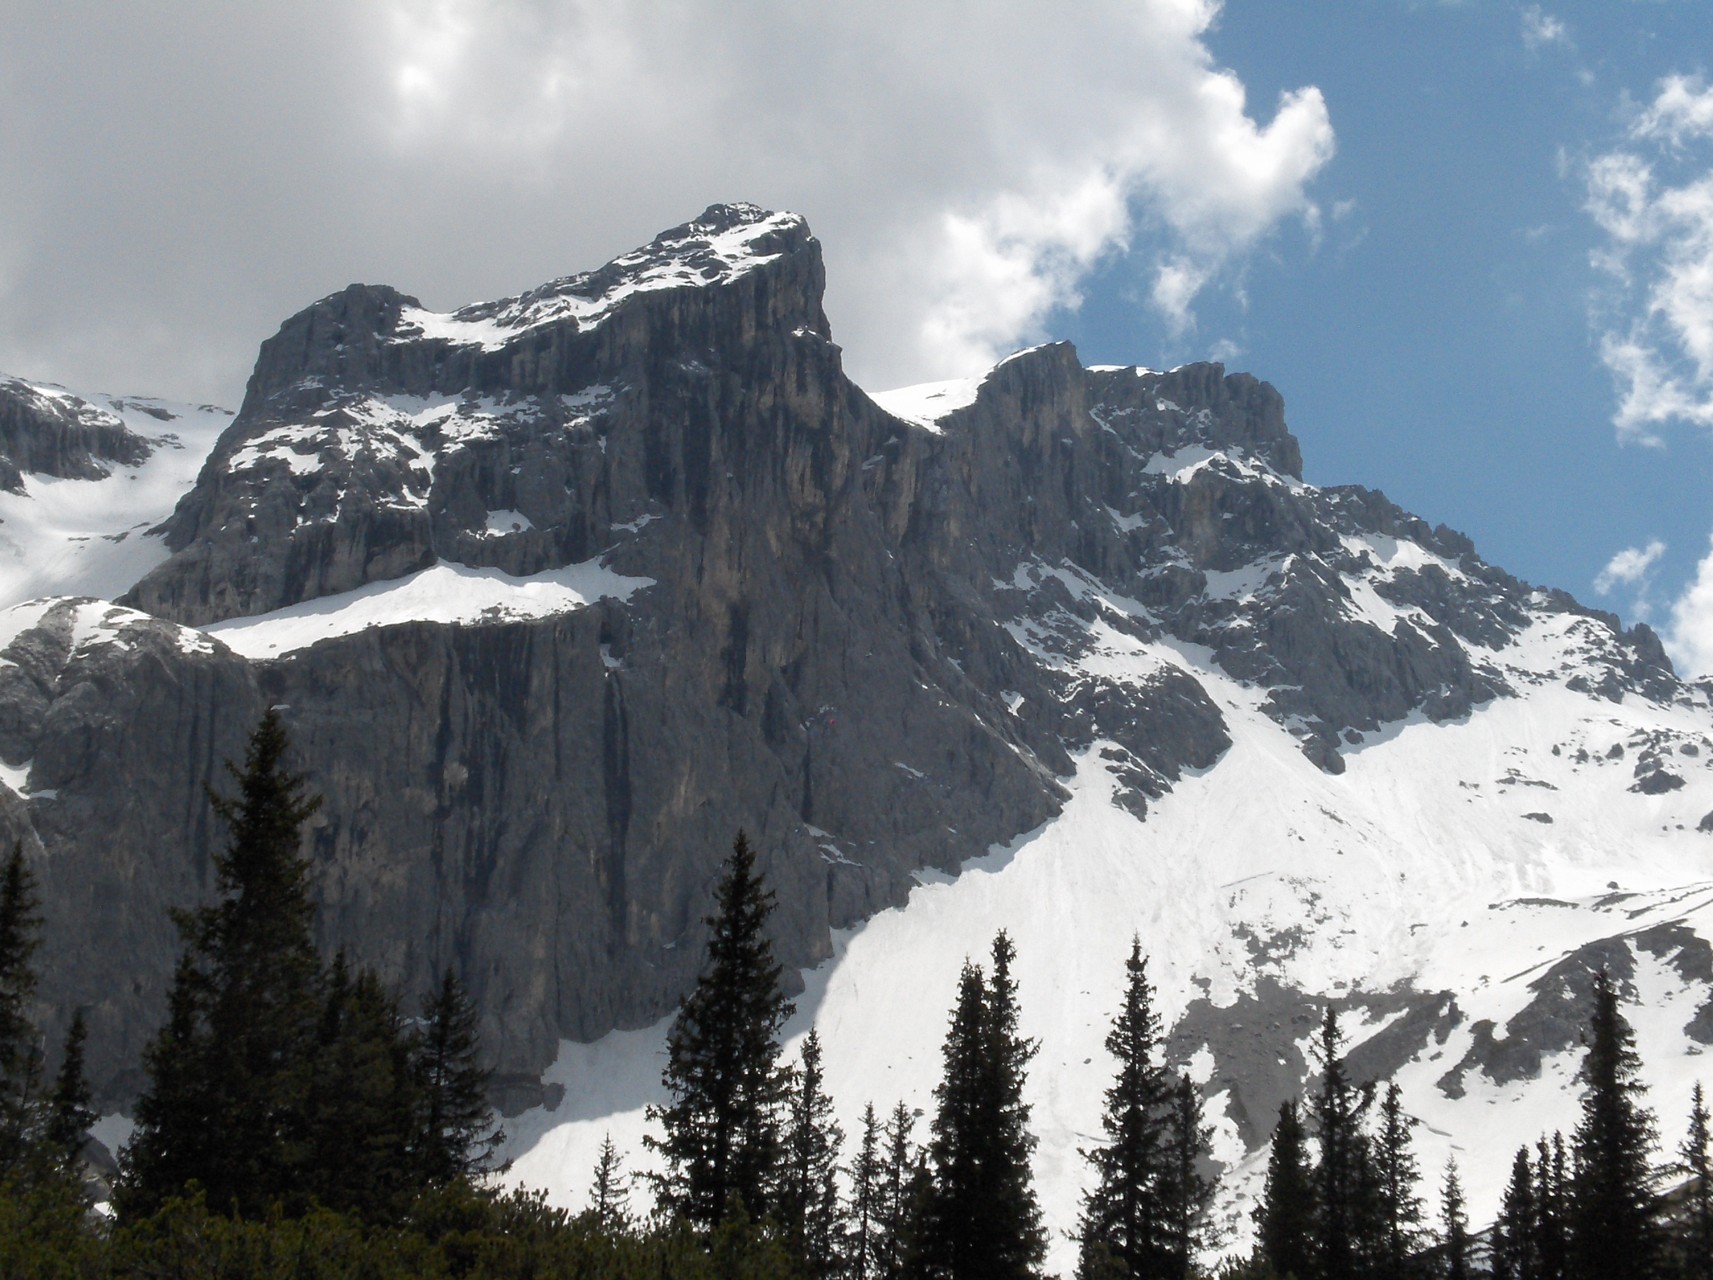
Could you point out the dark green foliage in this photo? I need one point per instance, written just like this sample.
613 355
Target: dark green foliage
1286 1218
1454 1228
1614 1214
808 1198
979 1218
1695 1239
280 1084
360 1133
20 1052
1125 1215
69 1114
1341 1174
1398 1207
229 1078
722 1141
458 1135
1516 1232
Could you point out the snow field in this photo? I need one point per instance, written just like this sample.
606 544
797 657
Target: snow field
89 537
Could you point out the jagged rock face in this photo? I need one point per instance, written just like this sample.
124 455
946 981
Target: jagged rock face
872 639
59 435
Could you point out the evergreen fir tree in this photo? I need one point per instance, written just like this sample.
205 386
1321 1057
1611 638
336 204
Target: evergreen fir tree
867 1203
363 1102
459 1135
1614 1227
900 1166
225 1104
721 1140
1516 1232
20 1051
1186 1190
980 1218
808 1198
1337 1109
169 1148
1454 1228
609 1198
1696 1237
69 1115
1124 1214
1396 1178
1552 1209
1286 1218
1019 1241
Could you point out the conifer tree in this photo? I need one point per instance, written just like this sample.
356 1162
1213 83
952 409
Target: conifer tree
1614 1227
868 1195
459 1135
1337 1109
980 1217
1552 1209
1696 1236
808 1197
1285 1220
900 1168
1454 1227
1124 1214
1396 1178
609 1198
363 1104
1019 1240
20 1052
1516 1232
226 1098
721 1140
69 1115
1186 1190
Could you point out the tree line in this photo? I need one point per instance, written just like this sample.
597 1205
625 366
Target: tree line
297 1122
1601 1205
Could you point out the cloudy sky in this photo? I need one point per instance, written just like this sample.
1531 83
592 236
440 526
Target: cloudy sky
1471 242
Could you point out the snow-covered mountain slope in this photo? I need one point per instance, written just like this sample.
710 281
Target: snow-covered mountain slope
86 478
1457 883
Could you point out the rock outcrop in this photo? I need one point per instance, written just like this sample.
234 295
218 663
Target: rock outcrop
53 434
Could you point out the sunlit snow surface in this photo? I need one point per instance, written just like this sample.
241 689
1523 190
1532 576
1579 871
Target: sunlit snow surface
443 593
89 537
1417 865
925 404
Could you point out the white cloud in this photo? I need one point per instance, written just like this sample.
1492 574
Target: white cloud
1629 566
200 170
1689 637
1541 29
1632 568
1653 198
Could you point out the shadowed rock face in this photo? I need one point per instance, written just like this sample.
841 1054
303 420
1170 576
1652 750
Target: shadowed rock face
859 641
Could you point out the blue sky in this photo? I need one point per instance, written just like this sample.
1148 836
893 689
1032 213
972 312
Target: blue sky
1439 335
1471 243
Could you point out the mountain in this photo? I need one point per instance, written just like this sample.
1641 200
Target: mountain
560 591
